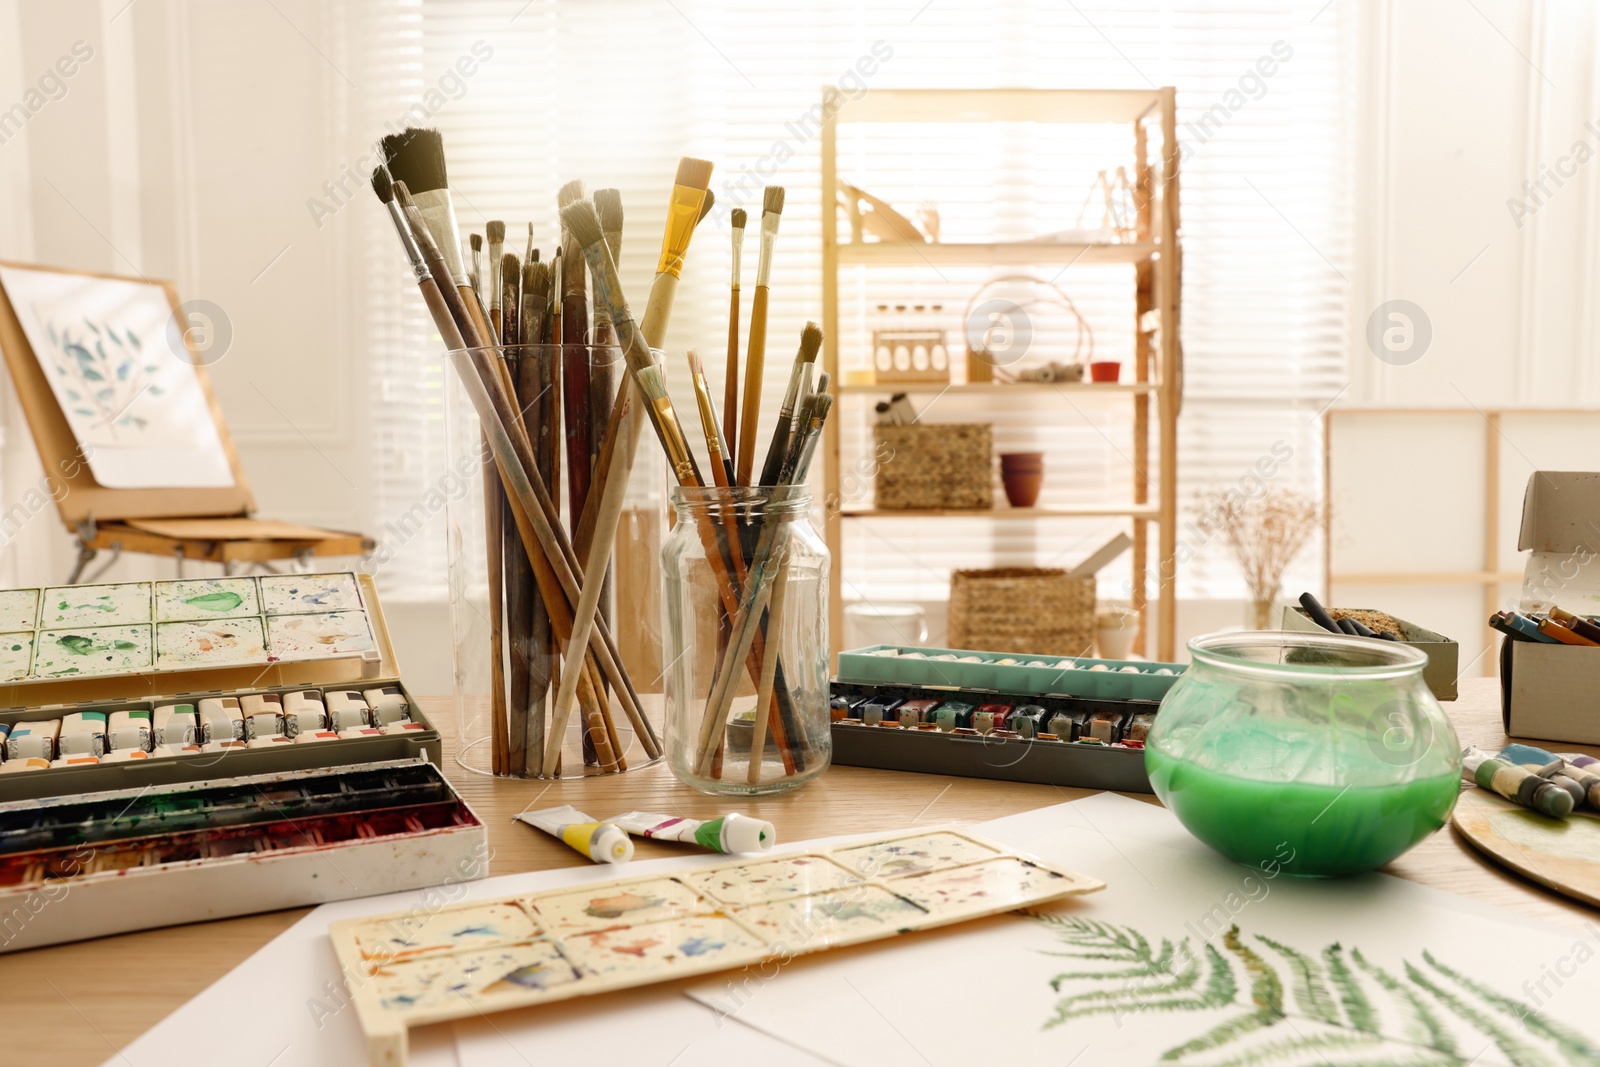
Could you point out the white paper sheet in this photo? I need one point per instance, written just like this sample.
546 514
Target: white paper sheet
133 403
959 996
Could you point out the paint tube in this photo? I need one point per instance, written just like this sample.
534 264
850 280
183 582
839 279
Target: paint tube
728 833
603 842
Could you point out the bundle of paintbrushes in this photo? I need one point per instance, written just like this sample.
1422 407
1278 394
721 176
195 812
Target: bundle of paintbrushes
748 556
518 333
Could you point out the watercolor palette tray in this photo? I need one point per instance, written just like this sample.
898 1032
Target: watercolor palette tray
135 859
1055 739
185 624
410 969
1022 673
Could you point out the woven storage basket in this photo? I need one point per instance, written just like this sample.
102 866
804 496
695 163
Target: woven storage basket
946 465
1022 609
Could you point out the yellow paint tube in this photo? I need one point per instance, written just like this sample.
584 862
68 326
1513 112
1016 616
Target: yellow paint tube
602 842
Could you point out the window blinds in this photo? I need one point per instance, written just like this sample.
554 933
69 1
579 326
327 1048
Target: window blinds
614 91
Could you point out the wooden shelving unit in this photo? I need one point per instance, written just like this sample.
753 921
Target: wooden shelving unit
1155 258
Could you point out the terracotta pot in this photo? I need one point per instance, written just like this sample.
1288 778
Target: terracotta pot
1105 371
1022 486
1021 461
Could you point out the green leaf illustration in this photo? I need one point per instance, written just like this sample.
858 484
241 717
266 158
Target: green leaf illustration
1297 1007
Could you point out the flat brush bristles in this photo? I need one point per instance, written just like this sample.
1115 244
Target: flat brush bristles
653 386
416 157
608 204
495 230
570 192
683 213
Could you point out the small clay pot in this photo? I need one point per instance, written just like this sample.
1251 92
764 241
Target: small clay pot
1022 461
1109 370
1022 487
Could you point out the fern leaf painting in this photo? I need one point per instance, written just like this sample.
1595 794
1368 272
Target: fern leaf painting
1297 1006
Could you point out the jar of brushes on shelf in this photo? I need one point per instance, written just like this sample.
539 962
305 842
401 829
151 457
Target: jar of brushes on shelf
745 634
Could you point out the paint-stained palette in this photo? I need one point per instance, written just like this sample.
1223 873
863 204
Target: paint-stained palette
83 630
408 970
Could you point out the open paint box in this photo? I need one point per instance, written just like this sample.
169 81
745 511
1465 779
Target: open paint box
164 768
1016 717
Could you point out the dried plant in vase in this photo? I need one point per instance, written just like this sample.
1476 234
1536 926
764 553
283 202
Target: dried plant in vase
1265 534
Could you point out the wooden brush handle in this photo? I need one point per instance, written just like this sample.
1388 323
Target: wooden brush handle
730 385
750 416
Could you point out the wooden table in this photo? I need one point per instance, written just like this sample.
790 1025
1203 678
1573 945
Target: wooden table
83 1002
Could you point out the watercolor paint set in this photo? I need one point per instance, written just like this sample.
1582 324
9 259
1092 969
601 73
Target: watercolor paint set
1015 717
143 797
76 867
414 968
185 624
94 731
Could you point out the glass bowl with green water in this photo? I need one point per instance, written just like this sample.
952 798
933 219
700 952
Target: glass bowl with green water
1302 753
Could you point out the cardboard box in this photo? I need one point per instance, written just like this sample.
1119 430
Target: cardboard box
1547 691
1444 655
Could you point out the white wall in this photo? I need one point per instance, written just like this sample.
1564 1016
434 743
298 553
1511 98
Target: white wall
1464 104
185 149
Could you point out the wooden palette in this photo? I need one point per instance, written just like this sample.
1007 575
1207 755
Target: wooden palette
413 968
1563 854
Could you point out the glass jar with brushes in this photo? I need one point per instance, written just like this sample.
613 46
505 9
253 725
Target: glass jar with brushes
745 632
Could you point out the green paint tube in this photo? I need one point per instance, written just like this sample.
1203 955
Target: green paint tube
728 833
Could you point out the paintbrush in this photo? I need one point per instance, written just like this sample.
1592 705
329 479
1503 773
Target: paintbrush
608 288
498 280
416 158
716 449
653 391
690 201
758 591
555 564
574 363
810 342
519 581
730 383
529 385
432 295
756 351
476 274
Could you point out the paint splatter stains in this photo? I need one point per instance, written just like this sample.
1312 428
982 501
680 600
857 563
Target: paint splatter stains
643 901
206 598
285 594
617 906
95 650
772 880
840 916
206 644
338 633
973 889
913 855
700 946
96 605
16 656
19 609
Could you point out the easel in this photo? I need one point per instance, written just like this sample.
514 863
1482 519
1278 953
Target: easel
213 525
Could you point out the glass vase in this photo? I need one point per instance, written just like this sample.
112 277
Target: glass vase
524 664
745 638
1309 754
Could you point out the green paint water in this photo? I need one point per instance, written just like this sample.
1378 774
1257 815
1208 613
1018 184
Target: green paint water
1310 830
